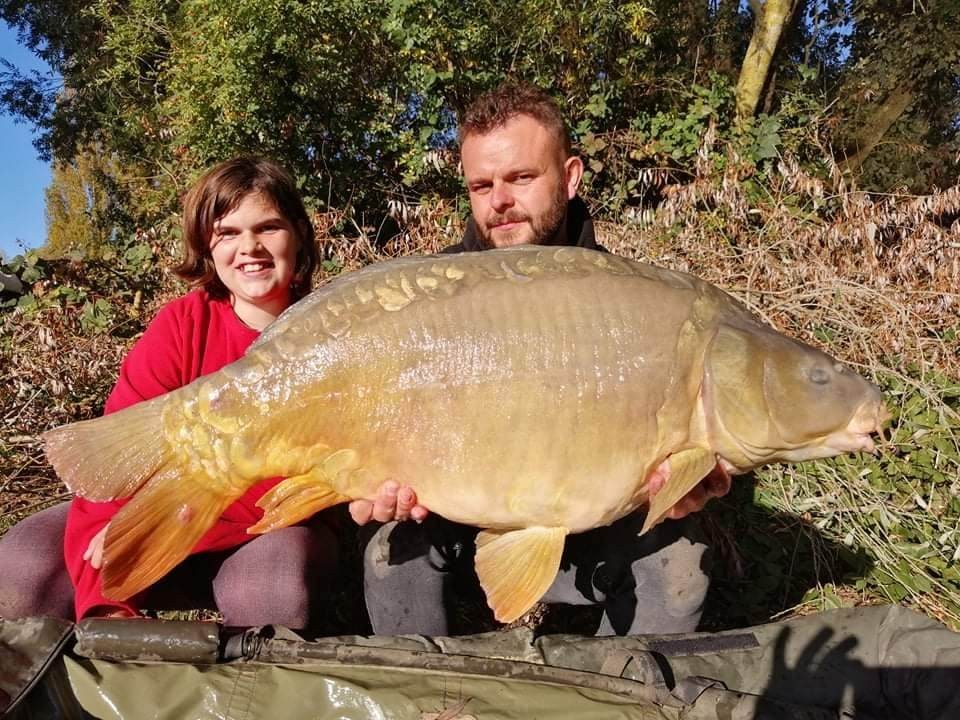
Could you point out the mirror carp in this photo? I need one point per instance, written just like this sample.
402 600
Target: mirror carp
532 392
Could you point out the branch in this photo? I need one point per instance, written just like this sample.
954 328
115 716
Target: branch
870 135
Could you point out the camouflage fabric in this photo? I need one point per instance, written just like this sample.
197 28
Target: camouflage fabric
884 662
31 666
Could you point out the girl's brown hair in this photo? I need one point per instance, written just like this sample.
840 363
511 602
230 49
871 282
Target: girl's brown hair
219 191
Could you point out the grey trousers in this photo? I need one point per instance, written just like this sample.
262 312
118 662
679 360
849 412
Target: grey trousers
656 583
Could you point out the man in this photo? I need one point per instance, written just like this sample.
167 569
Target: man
520 174
522 180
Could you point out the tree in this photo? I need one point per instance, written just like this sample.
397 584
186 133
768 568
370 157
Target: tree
360 98
901 93
78 206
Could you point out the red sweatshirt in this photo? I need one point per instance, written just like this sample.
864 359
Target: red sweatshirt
191 336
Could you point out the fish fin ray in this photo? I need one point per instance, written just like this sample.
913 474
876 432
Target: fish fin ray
295 499
157 530
516 567
111 456
687 468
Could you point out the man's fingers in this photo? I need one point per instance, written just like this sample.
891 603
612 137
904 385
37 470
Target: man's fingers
94 552
418 513
406 499
657 480
392 502
361 511
385 506
693 501
96 557
717 484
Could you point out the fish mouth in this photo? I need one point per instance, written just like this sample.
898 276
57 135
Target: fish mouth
869 419
850 442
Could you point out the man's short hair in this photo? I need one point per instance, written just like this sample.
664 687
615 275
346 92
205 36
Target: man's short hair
496 107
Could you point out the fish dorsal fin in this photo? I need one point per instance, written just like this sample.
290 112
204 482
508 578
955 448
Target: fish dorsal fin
686 469
157 529
296 499
516 567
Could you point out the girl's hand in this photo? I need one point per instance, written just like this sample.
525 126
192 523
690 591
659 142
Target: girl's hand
94 552
393 502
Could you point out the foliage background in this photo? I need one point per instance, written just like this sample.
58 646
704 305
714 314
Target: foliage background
831 208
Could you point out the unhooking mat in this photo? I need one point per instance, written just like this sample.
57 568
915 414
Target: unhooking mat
869 663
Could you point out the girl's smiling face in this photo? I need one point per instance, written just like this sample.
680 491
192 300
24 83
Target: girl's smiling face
254 251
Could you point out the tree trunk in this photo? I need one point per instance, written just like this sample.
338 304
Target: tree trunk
872 132
767 29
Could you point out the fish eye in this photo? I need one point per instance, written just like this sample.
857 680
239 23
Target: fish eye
819 376
839 367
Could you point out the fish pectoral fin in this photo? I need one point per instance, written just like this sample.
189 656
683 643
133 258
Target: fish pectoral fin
157 529
295 499
684 470
516 567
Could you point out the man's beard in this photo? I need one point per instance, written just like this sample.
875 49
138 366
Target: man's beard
544 229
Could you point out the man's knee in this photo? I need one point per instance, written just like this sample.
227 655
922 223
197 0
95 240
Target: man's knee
397 549
376 550
403 579
682 578
664 586
672 580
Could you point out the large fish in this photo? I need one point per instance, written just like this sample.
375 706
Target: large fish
533 392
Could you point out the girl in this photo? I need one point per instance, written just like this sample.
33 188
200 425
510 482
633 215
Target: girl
249 253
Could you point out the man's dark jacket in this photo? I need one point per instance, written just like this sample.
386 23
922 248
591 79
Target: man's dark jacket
453 540
579 232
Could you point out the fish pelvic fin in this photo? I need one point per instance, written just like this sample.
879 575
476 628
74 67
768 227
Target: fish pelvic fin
685 469
158 529
516 567
111 456
295 499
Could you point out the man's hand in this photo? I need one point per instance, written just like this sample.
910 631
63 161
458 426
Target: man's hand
94 552
393 502
716 484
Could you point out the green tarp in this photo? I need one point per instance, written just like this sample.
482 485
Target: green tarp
884 662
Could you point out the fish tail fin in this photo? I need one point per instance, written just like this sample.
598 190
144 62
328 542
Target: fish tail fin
158 529
111 456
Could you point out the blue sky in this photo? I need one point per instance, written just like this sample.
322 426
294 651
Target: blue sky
23 177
